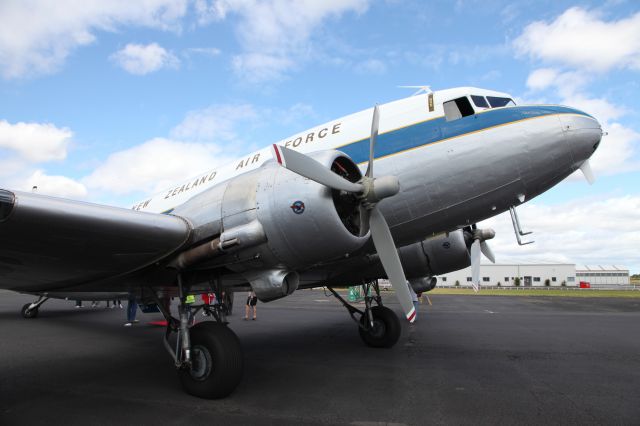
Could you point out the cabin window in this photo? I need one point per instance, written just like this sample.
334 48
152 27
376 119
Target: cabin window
497 102
480 101
457 108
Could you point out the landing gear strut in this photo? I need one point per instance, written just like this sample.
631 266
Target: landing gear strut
378 326
208 355
30 310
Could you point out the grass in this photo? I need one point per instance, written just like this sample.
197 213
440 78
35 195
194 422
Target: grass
538 292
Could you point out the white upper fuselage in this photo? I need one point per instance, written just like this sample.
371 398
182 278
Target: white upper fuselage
332 135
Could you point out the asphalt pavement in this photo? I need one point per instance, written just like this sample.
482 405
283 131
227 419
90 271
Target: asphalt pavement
467 360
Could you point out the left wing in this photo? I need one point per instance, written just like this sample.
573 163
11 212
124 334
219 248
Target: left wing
49 243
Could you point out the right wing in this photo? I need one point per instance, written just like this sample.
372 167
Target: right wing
49 243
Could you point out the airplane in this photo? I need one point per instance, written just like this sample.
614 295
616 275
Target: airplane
394 191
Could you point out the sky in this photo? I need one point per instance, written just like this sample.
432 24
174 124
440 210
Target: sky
109 102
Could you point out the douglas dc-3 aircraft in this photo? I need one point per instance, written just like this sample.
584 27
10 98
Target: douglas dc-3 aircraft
394 191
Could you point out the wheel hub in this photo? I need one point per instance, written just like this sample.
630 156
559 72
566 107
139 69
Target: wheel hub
201 363
378 329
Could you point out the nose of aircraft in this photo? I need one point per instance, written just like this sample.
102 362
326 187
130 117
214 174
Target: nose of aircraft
583 134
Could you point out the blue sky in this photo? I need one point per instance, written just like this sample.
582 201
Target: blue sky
109 101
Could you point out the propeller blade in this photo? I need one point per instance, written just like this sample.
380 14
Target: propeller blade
388 254
486 250
311 169
372 140
364 220
475 261
585 168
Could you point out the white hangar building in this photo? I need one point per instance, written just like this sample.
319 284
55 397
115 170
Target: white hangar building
536 275
603 275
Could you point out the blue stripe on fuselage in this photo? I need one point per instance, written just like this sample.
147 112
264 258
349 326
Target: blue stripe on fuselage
438 129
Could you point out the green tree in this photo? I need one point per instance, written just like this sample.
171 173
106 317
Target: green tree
516 282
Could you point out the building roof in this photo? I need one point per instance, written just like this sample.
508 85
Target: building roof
601 268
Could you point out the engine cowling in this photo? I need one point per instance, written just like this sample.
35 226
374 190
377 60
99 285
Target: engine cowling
307 223
435 256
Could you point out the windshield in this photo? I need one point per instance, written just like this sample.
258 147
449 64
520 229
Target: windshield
479 101
496 101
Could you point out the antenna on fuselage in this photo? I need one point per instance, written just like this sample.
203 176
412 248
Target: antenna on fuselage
421 89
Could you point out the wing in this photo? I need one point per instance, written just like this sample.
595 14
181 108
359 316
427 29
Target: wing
49 243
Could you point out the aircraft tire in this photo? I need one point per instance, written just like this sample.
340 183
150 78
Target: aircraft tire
217 361
29 313
386 328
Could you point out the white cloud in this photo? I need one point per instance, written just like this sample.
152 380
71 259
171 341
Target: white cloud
542 78
36 36
580 38
275 35
204 51
617 152
217 122
57 186
153 166
257 67
142 59
371 66
210 11
582 231
35 142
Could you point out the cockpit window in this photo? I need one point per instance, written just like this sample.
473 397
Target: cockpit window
480 101
497 102
457 108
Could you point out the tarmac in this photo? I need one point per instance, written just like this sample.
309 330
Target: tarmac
467 360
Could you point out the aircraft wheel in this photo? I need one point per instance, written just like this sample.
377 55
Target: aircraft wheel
386 328
216 361
29 313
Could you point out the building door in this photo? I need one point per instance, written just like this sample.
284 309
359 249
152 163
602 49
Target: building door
527 281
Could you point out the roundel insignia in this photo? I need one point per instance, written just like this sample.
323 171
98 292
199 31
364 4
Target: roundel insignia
297 207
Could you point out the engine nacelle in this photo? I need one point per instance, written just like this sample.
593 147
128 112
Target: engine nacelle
272 284
305 222
435 256
424 284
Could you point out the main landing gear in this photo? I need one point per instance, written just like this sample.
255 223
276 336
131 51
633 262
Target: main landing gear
208 355
379 326
30 310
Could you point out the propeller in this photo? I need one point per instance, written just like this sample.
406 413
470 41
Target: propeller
480 245
585 168
370 191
